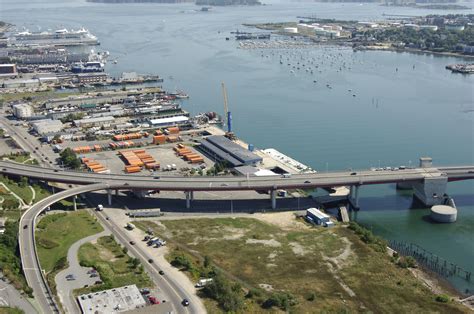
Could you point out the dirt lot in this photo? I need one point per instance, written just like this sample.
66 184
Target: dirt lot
279 254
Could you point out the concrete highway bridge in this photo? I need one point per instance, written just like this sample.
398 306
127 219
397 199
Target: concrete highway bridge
429 183
429 186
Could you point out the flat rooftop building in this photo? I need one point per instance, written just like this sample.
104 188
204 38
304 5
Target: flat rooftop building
220 148
171 121
44 127
115 300
98 121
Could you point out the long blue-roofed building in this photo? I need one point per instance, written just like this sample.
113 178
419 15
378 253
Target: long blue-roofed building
220 149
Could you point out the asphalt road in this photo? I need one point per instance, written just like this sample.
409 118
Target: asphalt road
166 283
11 297
27 142
32 268
29 259
65 287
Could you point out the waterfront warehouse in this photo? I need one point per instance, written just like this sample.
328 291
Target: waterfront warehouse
221 149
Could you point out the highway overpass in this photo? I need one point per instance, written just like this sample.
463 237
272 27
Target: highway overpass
429 182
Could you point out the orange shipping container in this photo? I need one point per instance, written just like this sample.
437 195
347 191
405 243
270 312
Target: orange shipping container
173 130
196 161
191 156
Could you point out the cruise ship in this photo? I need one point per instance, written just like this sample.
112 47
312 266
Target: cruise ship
60 37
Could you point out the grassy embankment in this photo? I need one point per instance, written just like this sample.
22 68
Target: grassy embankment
9 256
10 205
115 267
10 310
295 269
54 236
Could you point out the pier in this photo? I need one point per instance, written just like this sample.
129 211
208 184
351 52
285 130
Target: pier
430 260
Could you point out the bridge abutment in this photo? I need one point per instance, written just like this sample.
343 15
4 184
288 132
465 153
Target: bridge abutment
431 191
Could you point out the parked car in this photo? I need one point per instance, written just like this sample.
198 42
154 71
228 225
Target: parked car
153 300
161 272
145 291
185 302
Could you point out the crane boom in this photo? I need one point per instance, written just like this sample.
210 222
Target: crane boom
224 93
227 113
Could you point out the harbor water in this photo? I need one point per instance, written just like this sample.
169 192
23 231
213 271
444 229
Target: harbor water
356 110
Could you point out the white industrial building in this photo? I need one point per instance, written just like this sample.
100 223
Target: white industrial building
291 30
23 111
115 300
44 127
171 121
98 121
316 216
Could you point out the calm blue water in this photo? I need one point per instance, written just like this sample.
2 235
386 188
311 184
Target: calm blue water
396 116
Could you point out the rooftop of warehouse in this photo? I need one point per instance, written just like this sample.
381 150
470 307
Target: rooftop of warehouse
96 119
112 300
219 152
169 120
47 121
234 149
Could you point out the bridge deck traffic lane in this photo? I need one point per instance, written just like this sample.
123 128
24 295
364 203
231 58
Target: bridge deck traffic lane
231 182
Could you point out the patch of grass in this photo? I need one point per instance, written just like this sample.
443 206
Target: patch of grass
115 267
64 229
10 310
20 188
40 193
301 267
20 158
35 96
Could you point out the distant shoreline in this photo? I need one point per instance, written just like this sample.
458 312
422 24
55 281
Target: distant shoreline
418 51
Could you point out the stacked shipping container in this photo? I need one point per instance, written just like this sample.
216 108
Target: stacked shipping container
188 155
94 166
126 137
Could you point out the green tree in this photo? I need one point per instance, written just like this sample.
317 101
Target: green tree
70 159
228 295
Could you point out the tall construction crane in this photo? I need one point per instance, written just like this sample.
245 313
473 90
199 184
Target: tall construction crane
227 113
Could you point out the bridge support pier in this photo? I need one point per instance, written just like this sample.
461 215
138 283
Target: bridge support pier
109 196
74 202
273 198
116 192
354 197
189 197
